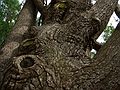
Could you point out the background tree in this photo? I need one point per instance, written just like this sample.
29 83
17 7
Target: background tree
55 56
9 10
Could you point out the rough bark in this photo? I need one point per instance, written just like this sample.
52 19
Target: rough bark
55 58
26 19
107 63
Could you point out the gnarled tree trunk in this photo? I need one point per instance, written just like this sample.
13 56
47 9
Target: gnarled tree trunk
54 56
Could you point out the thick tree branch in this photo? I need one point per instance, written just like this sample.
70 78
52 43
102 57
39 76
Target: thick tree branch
58 61
101 11
41 8
53 71
26 19
117 11
107 63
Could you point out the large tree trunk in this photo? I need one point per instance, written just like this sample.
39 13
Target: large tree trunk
54 56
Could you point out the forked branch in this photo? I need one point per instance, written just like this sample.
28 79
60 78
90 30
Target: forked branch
41 8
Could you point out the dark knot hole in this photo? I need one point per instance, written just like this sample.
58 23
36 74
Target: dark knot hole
27 62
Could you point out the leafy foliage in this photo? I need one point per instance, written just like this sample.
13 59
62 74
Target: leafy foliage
108 32
9 10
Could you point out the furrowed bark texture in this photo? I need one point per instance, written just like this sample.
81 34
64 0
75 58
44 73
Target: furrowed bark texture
55 58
